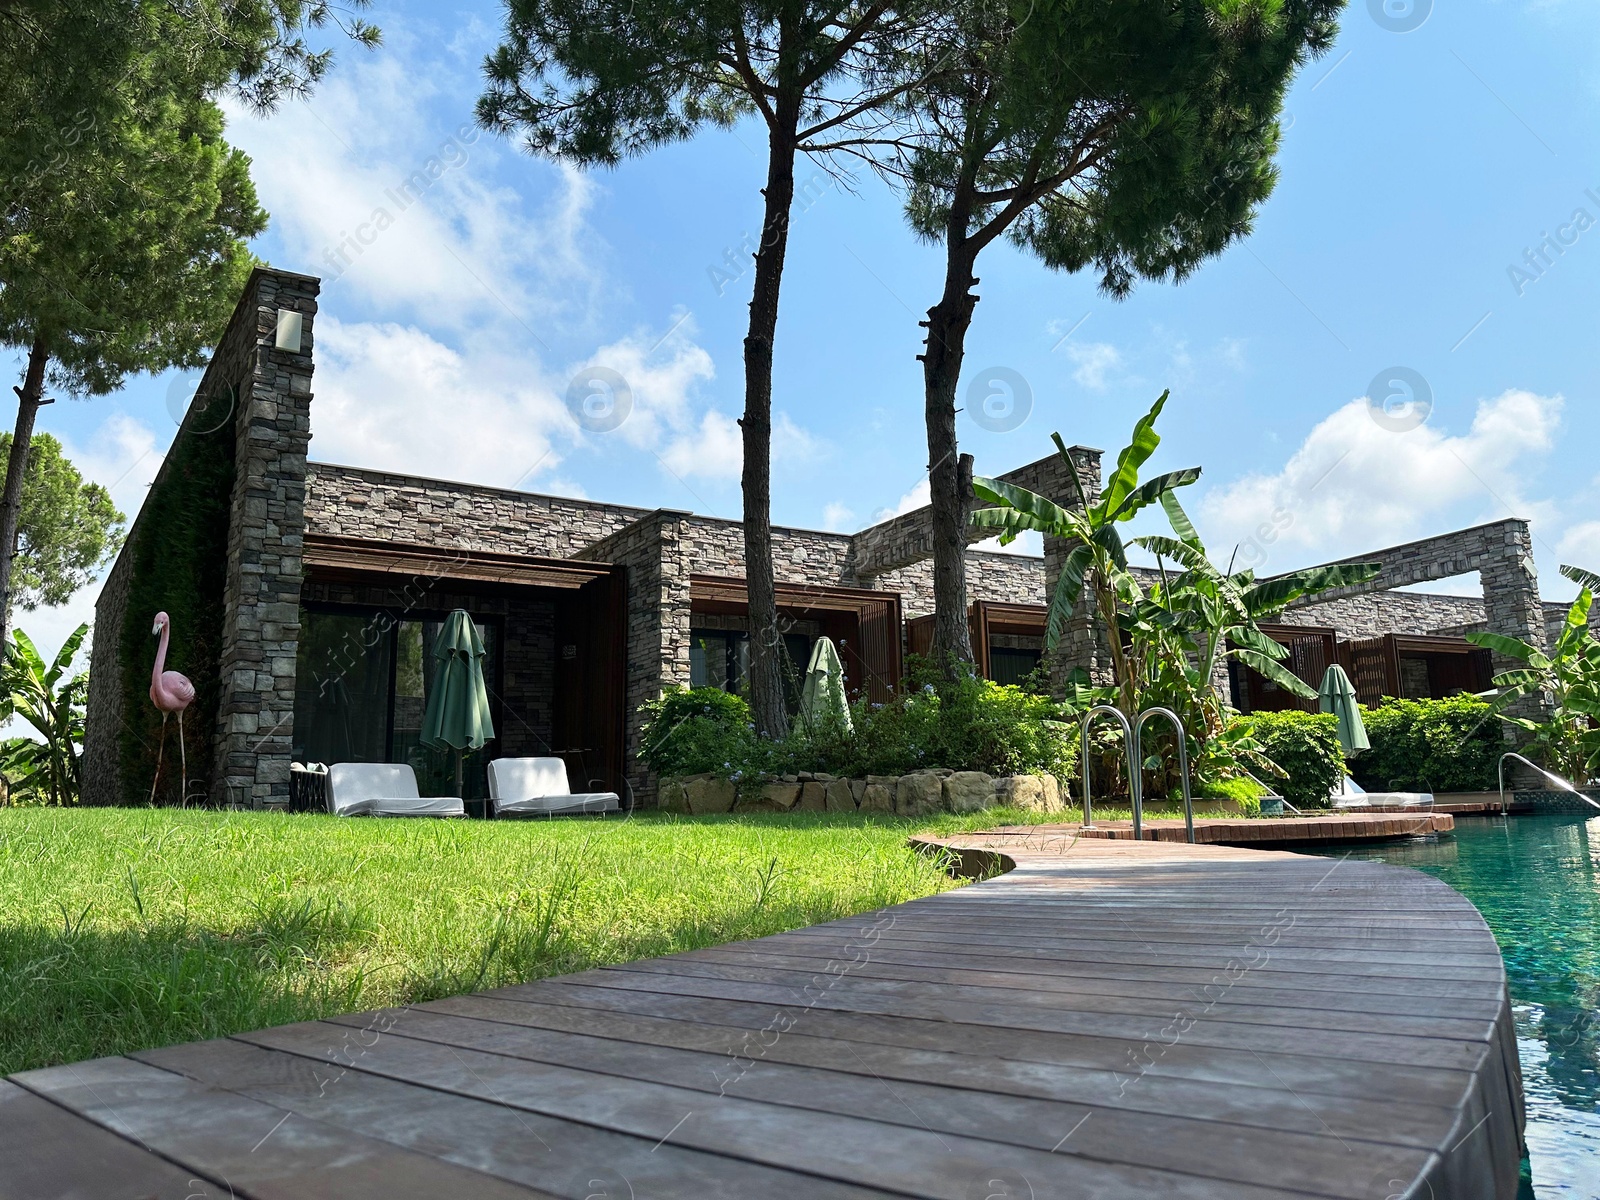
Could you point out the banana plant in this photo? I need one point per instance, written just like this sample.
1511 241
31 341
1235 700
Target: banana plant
1566 742
1098 560
42 695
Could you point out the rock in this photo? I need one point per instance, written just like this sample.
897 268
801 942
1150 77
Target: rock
804 777
782 796
918 794
877 797
671 796
858 788
839 796
813 797
967 791
888 781
822 777
1054 799
1020 791
791 779
707 794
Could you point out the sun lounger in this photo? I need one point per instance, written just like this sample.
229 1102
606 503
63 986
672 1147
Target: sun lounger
384 790
1350 794
539 785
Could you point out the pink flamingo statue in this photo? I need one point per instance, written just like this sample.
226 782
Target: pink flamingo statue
171 692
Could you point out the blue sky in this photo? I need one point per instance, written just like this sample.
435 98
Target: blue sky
1418 168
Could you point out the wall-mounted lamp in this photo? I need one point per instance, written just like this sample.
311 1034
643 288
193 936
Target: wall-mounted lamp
290 327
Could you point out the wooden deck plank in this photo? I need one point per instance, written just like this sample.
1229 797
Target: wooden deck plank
895 1158
48 1153
252 1149
882 1048
1319 1160
1110 1018
558 1156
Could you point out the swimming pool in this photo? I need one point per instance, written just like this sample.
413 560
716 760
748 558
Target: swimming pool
1537 882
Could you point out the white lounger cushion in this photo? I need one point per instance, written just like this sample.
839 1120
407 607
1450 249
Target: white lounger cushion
1352 795
384 790
539 785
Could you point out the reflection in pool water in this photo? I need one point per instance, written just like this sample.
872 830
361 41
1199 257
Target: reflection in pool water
1537 882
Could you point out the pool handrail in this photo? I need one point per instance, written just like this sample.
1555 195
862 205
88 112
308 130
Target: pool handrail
1563 784
1183 759
1133 768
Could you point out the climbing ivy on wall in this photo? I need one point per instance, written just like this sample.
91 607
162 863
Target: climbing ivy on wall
180 559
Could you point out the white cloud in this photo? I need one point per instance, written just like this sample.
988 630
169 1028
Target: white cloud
837 517
1354 485
712 451
391 202
1094 362
920 496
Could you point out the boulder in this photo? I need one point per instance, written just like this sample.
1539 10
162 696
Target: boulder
782 796
1020 791
673 795
839 797
708 794
968 791
858 788
813 797
1054 799
918 794
877 797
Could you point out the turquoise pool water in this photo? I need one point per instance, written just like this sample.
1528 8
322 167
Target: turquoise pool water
1537 882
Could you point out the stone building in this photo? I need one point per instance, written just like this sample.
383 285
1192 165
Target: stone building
307 623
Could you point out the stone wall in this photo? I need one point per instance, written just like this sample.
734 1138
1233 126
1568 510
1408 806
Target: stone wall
652 551
102 756
918 794
353 502
261 604
715 546
1377 613
991 575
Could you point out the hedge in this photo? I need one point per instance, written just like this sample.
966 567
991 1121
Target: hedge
1451 745
1306 746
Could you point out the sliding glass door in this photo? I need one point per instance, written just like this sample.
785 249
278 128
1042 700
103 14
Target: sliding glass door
362 685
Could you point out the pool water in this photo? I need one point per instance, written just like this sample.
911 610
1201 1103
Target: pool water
1537 882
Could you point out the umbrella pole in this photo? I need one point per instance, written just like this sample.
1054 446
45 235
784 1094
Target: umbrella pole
458 773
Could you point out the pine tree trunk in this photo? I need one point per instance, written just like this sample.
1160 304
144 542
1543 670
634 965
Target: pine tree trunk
949 471
766 638
29 398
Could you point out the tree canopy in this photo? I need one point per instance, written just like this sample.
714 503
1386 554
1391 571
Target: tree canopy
69 528
1135 138
593 81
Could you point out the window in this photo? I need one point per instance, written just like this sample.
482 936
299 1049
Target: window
1010 665
362 683
720 658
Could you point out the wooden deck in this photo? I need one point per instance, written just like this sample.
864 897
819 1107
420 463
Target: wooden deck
1109 1019
1366 826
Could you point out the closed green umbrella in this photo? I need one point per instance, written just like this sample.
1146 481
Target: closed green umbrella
457 715
1338 696
822 698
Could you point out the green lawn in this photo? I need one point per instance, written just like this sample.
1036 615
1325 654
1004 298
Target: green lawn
123 929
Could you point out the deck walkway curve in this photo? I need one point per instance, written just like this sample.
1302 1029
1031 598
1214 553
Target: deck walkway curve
1107 1019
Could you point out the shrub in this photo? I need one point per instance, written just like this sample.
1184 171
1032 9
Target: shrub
1305 746
1451 745
693 730
971 724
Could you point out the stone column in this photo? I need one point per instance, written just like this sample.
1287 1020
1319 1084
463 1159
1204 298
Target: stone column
652 550
1511 602
261 601
1083 645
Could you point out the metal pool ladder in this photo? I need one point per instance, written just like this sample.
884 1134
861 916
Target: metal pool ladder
1562 784
1133 739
